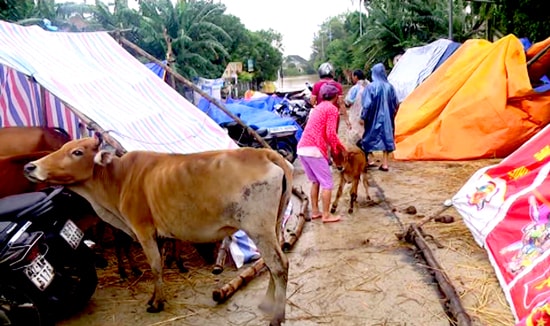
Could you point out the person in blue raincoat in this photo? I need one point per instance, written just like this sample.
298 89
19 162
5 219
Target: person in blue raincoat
380 105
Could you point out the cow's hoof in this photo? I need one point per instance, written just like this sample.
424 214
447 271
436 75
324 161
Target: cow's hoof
333 209
276 321
158 308
182 268
123 275
217 270
350 210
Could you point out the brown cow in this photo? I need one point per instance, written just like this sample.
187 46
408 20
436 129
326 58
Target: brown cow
12 179
352 165
25 140
199 197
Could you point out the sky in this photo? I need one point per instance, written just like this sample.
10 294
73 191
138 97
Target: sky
296 20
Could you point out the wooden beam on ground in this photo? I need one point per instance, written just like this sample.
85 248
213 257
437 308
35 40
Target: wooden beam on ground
414 236
195 88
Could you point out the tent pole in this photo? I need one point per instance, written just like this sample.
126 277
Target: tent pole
92 125
188 83
43 106
538 55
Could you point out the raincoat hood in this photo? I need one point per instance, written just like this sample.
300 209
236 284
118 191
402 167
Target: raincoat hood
379 73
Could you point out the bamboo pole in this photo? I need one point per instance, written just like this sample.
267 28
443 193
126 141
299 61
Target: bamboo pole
222 255
188 83
248 274
293 235
414 236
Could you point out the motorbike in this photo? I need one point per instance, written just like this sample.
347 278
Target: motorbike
281 138
47 268
296 106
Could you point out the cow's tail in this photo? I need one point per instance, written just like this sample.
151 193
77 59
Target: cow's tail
286 192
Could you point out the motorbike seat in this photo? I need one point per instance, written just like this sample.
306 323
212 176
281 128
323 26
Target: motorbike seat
14 204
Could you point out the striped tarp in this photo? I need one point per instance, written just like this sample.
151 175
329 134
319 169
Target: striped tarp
92 74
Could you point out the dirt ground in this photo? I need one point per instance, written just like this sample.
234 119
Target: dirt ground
354 272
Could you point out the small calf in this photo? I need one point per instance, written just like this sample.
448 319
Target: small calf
352 165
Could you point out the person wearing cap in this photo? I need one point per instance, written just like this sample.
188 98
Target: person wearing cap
326 75
319 134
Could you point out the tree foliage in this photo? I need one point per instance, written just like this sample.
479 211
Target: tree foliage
523 18
389 27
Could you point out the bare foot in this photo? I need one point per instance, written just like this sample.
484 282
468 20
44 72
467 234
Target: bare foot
331 219
315 215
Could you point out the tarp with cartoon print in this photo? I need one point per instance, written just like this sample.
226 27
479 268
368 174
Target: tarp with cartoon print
478 104
507 209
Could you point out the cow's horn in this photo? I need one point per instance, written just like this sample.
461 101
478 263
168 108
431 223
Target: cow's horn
99 137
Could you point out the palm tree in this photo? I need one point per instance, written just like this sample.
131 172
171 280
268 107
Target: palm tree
185 33
393 26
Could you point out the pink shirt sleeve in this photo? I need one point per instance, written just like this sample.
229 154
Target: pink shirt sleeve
331 131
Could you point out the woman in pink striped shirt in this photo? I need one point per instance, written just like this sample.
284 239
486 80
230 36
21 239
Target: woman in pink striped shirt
313 149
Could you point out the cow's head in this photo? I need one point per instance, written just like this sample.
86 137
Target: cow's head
340 159
72 163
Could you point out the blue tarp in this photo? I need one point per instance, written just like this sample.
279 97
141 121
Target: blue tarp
156 68
451 48
255 113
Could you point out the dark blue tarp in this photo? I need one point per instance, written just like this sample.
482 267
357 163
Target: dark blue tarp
156 68
451 48
255 113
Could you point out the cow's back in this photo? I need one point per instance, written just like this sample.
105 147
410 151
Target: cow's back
24 140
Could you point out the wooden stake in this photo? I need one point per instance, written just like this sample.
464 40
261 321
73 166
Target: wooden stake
248 274
414 236
222 255
188 83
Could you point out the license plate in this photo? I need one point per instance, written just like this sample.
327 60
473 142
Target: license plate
72 234
275 130
40 272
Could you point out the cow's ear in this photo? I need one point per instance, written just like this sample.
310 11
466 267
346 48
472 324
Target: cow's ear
104 157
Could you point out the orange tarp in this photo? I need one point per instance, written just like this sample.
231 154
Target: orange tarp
478 104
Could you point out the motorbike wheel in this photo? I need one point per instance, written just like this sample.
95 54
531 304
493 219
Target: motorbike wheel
81 280
287 149
18 308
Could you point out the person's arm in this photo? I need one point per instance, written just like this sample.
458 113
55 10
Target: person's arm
351 96
313 100
332 132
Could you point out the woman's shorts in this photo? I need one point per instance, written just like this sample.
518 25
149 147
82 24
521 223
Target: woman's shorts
317 170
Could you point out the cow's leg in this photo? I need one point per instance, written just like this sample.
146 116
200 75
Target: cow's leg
338 194
277 264
149 243
365 180
353 193
123 243
120 261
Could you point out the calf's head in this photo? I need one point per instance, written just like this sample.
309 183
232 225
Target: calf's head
72 163
340 159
